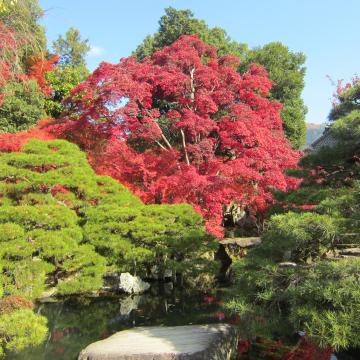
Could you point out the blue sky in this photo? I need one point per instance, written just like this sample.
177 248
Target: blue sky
325 30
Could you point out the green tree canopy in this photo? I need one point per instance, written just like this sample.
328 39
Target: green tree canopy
70 71
346 100
286 69
62 227
78 221
71 48
182 22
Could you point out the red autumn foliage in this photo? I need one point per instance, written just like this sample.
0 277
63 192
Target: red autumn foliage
209 299
307 350
7 50
185 126
59 189
10 69
275 350
243 346
38 71
220 315
11 303
14 142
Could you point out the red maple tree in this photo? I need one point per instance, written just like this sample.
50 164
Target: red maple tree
38 71
184 126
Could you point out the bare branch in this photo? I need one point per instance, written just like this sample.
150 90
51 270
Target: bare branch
142 107
184 146
166 140
161 145
192 86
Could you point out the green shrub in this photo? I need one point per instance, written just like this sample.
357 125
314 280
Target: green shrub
62 226
301 272
20 329
62 80
66 224
22 107
136 239
326 302
299 237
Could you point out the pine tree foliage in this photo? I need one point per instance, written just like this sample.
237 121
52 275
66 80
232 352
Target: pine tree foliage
62 226
175 23
307 269
56 210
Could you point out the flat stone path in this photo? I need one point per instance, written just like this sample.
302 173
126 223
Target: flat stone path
195 342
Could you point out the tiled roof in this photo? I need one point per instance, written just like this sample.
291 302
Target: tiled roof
326 139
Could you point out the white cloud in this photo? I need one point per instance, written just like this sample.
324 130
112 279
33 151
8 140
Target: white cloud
95 51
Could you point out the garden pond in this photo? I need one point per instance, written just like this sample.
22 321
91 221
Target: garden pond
75 322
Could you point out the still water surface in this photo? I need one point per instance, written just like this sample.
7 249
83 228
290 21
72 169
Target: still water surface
76 322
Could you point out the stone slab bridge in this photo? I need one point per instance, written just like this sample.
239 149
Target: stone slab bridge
190 342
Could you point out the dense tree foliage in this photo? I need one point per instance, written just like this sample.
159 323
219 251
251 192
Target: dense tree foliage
23 57
7 54
20 329
71 48
70 69
182 22
308 264
23 65
32 207
54 179
181 121
285 68
185 126
346 98
22 107
19 326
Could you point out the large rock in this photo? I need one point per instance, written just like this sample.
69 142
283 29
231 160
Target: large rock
235 248
132 284
191 342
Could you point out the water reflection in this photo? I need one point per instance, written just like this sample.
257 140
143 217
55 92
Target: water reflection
76 322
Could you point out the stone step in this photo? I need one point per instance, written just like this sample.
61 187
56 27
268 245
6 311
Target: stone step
190 342
243 242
